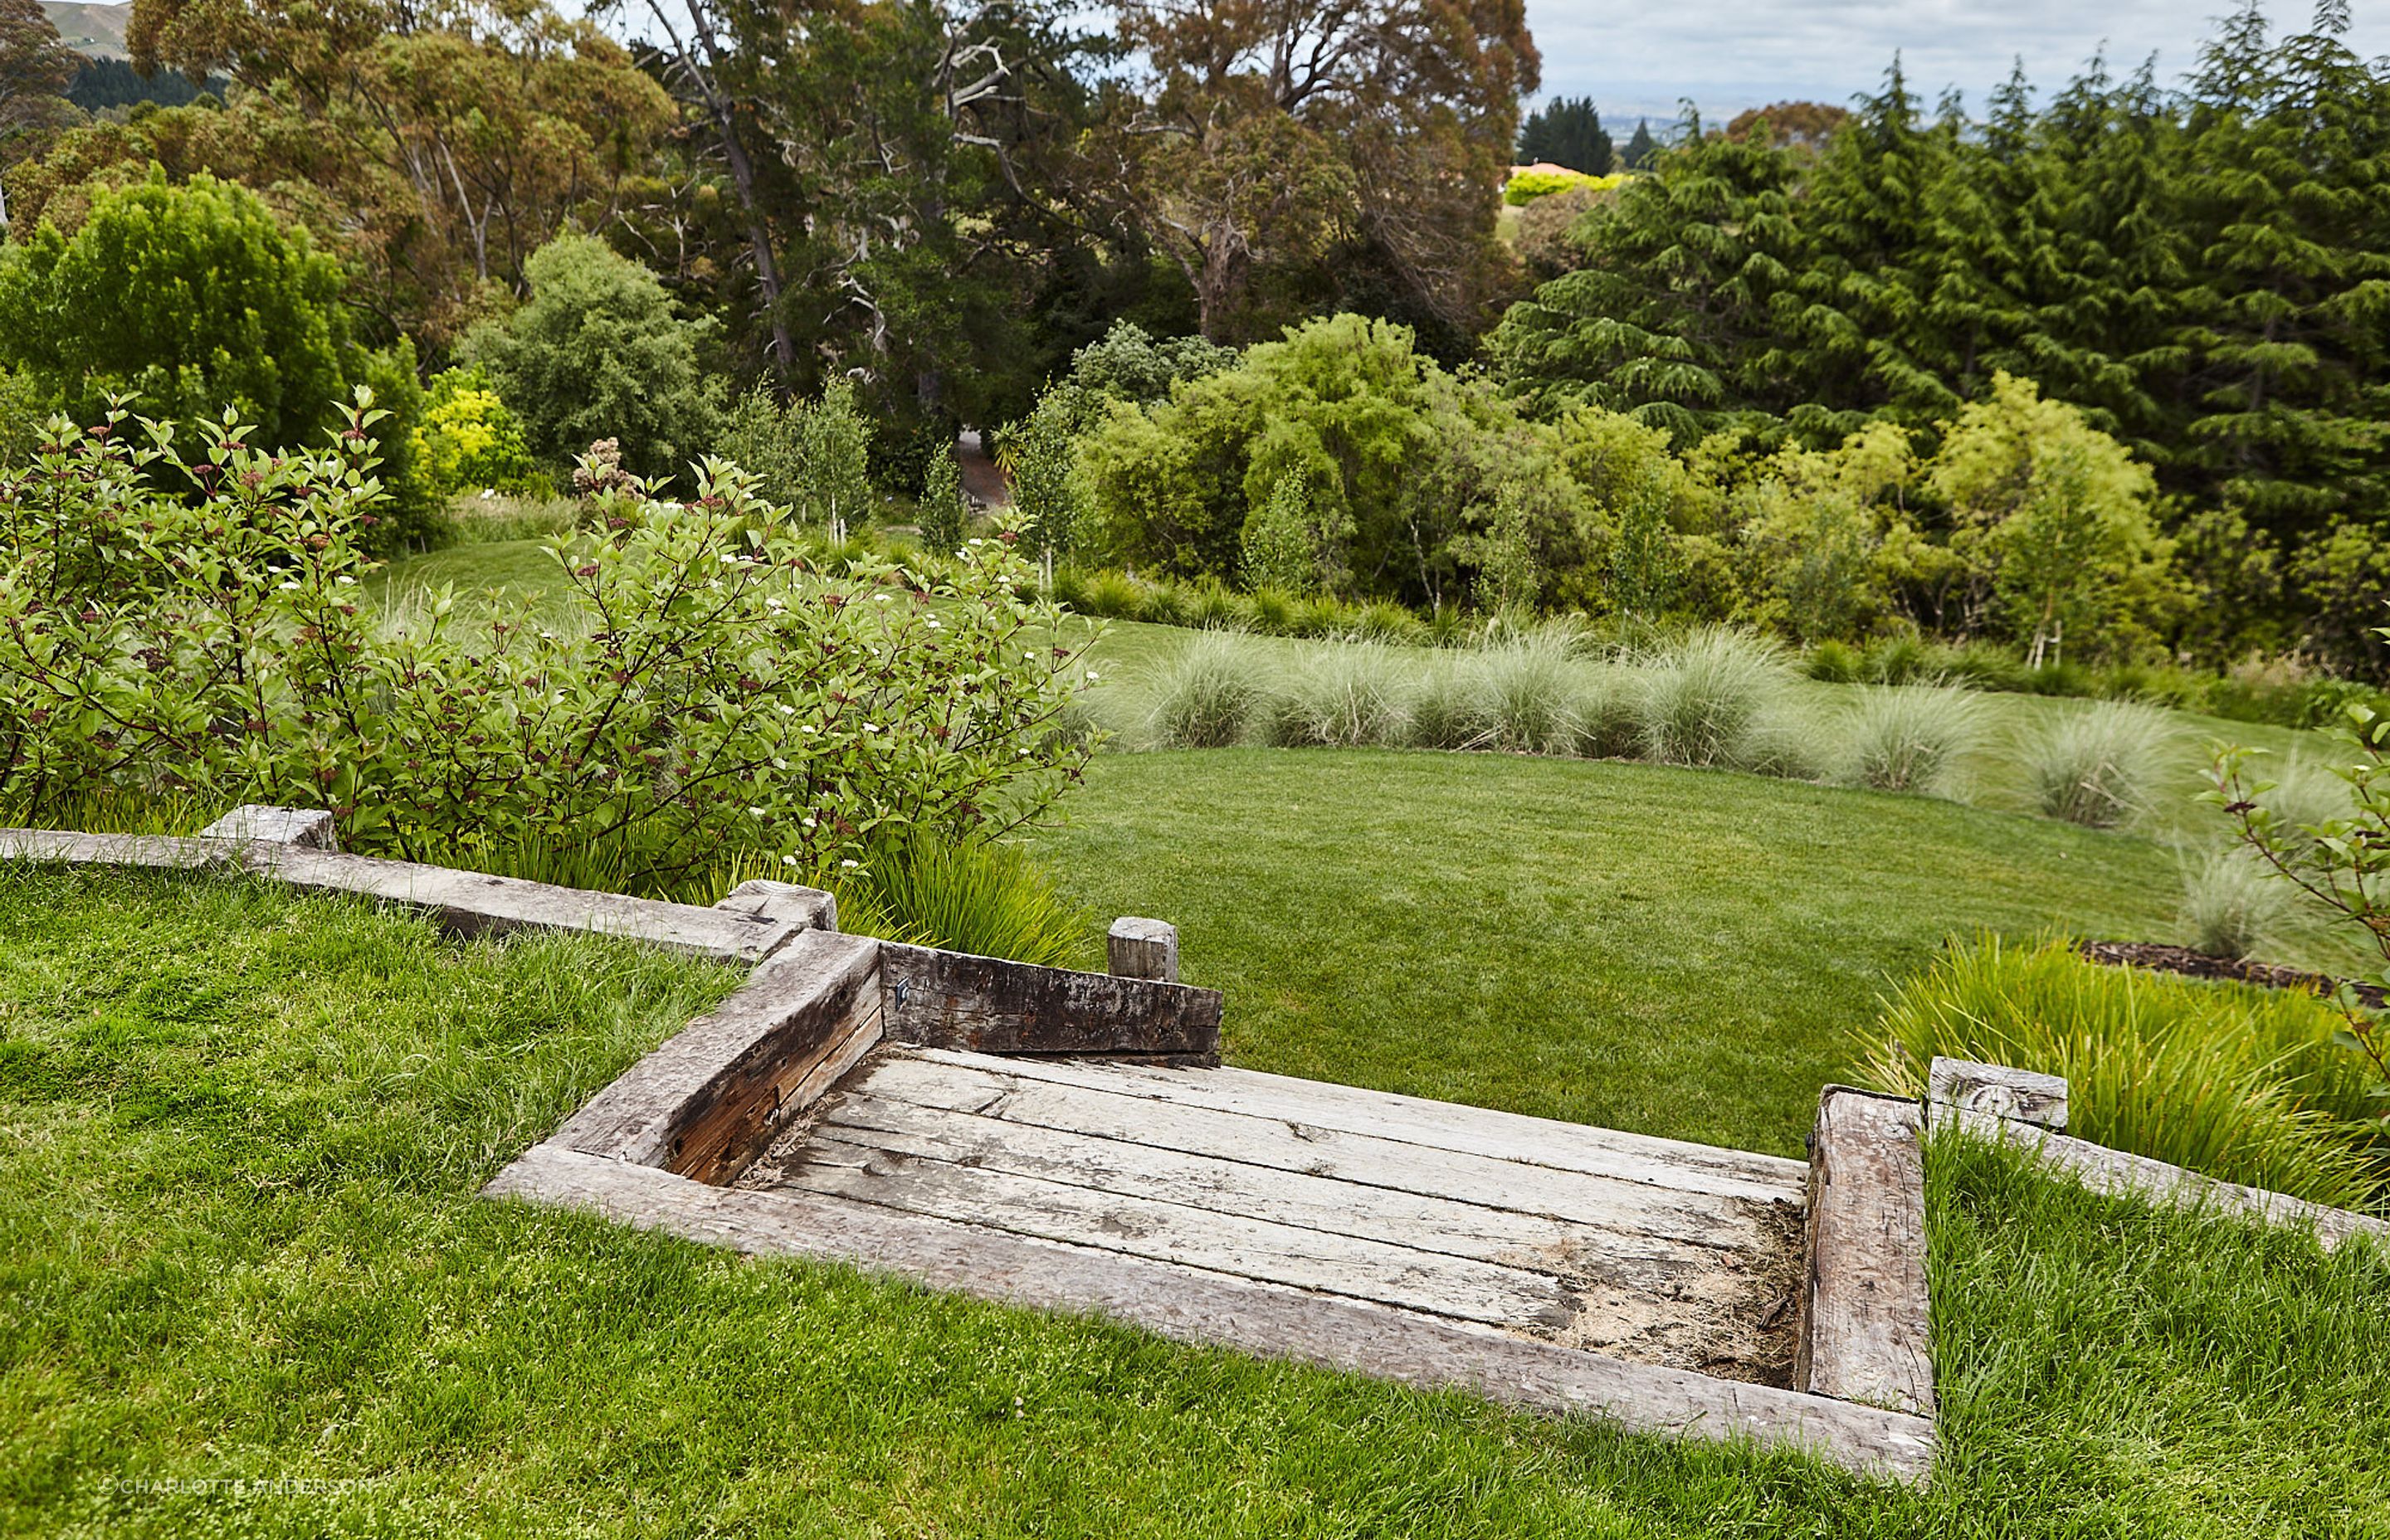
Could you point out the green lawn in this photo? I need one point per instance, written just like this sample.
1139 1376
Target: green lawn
238 1242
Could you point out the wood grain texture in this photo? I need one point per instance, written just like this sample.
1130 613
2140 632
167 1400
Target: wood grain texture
164 852
461 902
1865 1332
2025 1095
2126 1175
1190 1305
1381 1173
259 823
477 903
1307 1105
786 902
707 1101
987 1005
899 1173
1481 1232
1138 948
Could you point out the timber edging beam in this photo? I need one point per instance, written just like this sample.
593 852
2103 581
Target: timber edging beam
1192 1305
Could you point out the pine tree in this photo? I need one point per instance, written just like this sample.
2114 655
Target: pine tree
1642 147
1568 132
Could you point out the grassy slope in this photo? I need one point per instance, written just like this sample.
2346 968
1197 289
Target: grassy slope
239 1241
1675 951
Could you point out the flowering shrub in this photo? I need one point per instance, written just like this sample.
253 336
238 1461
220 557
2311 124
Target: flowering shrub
469 438
714 700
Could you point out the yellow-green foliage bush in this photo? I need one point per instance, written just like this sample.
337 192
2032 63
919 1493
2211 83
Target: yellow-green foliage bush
469 438
1529 185
2228 1080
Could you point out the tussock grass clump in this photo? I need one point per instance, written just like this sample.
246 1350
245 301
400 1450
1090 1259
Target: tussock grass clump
2232 905
1710 698
1207 694
1445 709
1911 739
2228 1080
1525 689
1343 696
2098 767
987 899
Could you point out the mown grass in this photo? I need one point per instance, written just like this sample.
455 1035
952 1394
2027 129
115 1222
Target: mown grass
239 1241
1682 952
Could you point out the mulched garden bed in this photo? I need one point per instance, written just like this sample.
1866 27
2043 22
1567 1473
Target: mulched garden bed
2203 965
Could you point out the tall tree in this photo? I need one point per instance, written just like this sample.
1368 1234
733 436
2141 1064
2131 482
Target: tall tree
1567 132
1640 147
35 70
1265 134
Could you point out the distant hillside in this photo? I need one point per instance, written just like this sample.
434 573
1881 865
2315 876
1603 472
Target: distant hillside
95 29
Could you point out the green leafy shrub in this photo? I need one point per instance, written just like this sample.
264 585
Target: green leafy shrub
942 517
1912 739
466 438
187 296
709 695
2230 1081
598 351
2098 767
1277 549
2335 849
1707 699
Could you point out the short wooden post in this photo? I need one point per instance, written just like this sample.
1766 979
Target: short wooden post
2021 1096
1143 949
256 824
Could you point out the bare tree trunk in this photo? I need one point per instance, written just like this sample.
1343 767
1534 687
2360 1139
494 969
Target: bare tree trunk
700 77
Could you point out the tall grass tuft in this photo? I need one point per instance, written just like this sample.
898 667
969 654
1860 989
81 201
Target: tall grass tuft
1207 694
1341 696
2231 1080
2098 767
2232 905
1443 706
1912 739
1524 687
988 900
1709 699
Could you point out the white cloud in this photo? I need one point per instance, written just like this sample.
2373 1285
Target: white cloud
1727 56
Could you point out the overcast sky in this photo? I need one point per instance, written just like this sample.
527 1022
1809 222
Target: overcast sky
1638 59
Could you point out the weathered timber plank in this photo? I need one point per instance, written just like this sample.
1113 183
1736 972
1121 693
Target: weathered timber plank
706 1101
786 902
1626 1259
987 1005
1345 1266
1865 1334
1142 949
2121 1175
1189 1305
1442 1125
466 903
259 823
1025 1093
165 851
2025 1094
475 903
